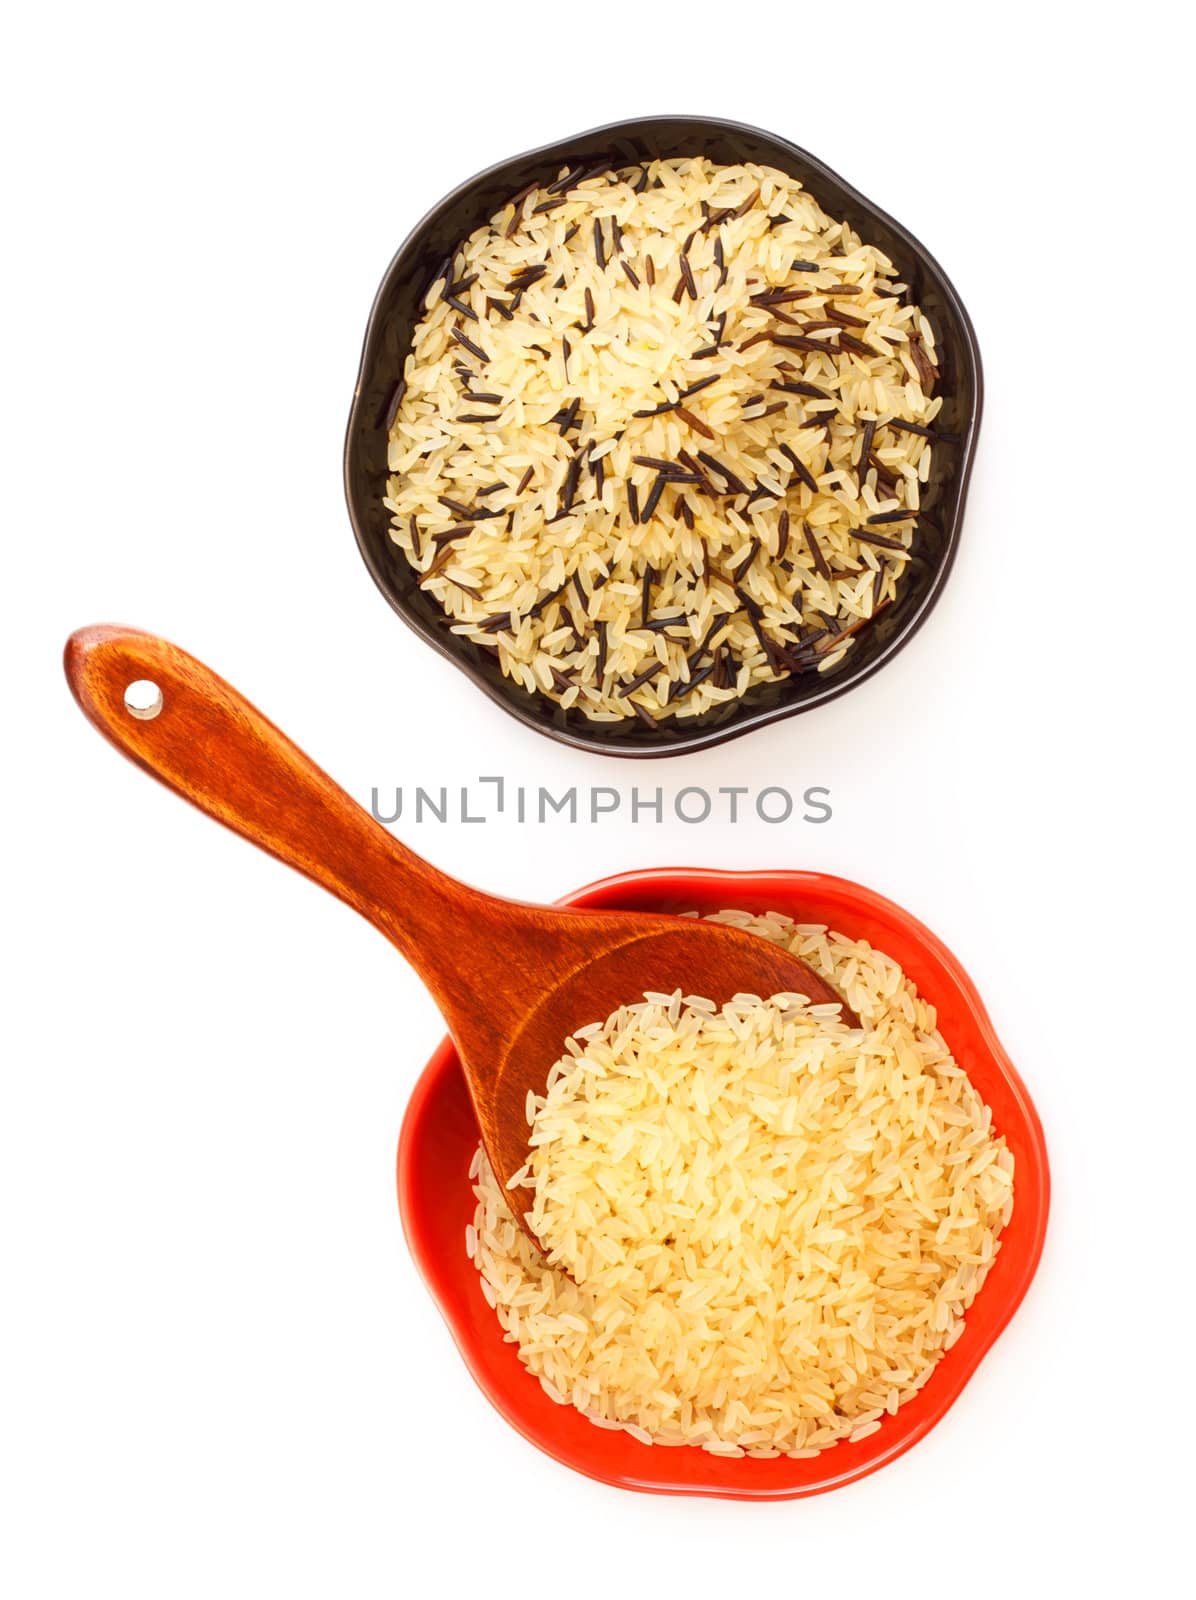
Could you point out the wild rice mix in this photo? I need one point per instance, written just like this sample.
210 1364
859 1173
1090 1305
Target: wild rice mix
772 1223
661 436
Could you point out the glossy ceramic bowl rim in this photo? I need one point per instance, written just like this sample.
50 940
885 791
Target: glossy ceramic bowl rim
943 1390
745 719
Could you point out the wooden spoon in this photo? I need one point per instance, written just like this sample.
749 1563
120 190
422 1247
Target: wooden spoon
512 980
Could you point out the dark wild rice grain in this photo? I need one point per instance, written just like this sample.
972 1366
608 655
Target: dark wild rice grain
865 537
820 563
468 344
696 423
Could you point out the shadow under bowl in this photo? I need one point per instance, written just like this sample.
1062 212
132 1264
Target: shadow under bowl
440 1135
397 309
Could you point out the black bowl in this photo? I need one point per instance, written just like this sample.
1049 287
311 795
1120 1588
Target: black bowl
397 308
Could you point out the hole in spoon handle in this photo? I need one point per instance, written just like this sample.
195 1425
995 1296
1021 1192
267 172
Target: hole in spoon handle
143 700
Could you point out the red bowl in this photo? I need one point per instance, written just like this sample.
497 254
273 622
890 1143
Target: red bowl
436 1201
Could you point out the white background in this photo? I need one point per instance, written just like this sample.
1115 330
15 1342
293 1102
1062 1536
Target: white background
220 1373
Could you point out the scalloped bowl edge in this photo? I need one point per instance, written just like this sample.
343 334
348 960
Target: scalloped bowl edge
439 1135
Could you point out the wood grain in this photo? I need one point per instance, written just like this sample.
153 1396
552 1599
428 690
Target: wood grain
512 980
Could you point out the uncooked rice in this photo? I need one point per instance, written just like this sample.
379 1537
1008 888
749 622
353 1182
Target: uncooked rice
763 1228
661 436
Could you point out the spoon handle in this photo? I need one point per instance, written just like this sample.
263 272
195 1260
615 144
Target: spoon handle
211 746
